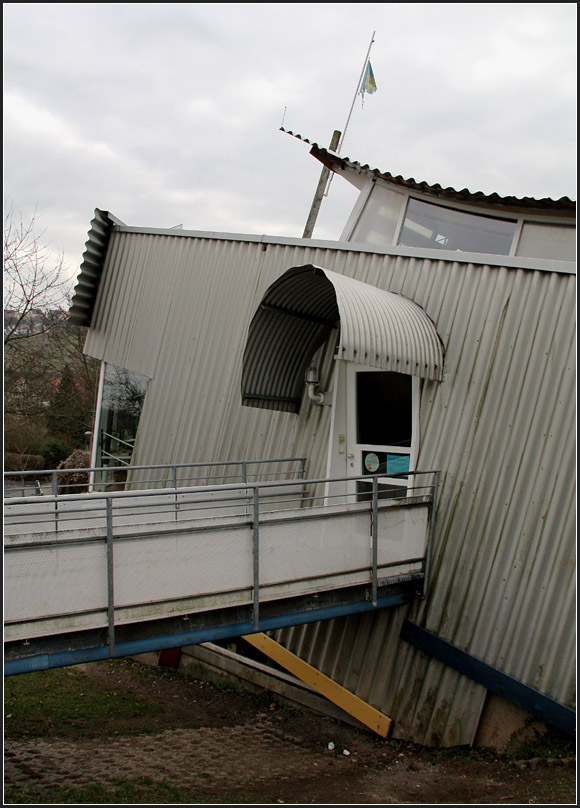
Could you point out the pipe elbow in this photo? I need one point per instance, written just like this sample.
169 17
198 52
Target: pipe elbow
317 398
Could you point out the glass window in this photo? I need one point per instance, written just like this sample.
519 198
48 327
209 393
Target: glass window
384 431
378 221
121 404
384 408
440 228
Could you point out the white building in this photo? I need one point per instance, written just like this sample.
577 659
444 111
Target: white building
442 331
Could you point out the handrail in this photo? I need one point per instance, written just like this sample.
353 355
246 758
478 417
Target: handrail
205 464
58 477
104 453
153 492
107 505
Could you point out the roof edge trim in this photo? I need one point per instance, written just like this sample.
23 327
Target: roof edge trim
484 259
85 292
335 162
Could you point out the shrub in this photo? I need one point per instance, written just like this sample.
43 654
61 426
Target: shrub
16 461
54 452
76 482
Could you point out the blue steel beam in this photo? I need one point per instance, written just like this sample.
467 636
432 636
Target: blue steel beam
133 648
540 705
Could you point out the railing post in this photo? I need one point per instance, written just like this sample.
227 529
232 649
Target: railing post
174 485
374 538
55 495
256 558
110 577
427 567
244 482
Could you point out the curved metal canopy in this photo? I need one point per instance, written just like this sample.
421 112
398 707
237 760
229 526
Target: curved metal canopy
296 316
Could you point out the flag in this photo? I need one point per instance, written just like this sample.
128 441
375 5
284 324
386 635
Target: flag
368 84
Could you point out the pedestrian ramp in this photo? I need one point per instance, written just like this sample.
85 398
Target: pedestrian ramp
105 574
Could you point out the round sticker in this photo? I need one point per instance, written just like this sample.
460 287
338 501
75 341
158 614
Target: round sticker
371 462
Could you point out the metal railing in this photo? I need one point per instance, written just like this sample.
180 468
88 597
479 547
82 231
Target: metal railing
117 439
56 482
106 455
61 511
118 515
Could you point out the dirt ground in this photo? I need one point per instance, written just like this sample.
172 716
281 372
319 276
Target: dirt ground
221 745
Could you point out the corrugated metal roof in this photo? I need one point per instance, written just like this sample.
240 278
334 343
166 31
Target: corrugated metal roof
85 292
295 318
562 206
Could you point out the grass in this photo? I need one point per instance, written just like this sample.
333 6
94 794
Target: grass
66 703
119 792
62 701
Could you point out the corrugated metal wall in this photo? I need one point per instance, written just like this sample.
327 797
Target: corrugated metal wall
502 429
501 426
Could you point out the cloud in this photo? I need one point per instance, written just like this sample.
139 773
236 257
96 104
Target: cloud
169 113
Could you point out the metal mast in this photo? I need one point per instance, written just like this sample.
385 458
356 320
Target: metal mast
335 146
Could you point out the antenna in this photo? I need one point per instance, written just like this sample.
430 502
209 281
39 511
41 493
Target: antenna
335 146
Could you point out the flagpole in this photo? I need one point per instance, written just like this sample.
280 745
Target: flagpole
335 144
356 93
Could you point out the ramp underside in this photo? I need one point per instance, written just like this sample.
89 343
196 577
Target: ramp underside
75 647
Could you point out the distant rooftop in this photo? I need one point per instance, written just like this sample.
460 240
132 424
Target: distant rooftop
563 206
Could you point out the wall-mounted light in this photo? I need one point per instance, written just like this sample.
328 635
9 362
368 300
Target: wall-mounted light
311 383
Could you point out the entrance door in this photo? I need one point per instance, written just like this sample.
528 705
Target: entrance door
382 430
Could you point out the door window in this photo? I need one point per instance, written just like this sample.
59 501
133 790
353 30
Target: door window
382 430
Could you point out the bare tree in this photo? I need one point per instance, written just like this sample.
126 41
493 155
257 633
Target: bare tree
43 351
35 285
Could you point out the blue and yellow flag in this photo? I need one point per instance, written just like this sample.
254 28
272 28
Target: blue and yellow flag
368 84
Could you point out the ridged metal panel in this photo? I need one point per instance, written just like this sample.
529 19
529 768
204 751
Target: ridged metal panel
385 330
83 299
564 205
204 294
298 312
500 426
293 320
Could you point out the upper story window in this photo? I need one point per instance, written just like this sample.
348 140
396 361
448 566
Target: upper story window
440 228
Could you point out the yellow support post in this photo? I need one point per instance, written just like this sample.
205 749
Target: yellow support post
347 701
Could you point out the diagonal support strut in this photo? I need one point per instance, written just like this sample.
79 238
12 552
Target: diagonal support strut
347 701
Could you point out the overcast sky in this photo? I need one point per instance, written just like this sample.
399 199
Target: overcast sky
168 114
